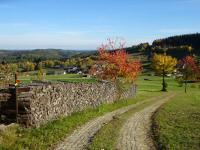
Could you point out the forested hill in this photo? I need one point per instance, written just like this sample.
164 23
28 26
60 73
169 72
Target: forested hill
187 39
39 54
176 46
192 40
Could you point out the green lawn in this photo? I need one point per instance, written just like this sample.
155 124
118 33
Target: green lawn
177 124
154 83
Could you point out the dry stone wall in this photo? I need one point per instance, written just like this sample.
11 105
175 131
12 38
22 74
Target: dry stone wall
7 105
48 101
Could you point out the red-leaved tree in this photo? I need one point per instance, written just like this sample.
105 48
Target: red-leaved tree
189 68
114 63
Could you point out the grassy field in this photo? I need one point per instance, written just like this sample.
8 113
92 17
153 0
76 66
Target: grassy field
107 137
154 83
148 86
62 77
177 124
51 133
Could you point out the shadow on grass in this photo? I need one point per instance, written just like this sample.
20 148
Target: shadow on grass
150 90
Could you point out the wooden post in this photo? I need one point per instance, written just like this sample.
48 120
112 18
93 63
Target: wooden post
15 78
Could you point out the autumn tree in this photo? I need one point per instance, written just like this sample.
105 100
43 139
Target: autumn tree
49 63
163 64
189 69
116 65
7 72
28 66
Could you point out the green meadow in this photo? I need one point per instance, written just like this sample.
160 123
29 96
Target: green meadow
177 124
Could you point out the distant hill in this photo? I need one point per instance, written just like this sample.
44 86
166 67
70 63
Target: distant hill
176 45
175 41
39 54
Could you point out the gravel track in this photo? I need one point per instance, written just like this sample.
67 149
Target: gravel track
82 136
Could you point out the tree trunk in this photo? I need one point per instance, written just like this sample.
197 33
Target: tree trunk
163 82
185 86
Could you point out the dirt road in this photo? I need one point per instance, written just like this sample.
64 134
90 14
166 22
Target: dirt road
130 133
136 132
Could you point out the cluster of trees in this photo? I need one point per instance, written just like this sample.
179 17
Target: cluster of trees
8 70
38 55
83 63
186 69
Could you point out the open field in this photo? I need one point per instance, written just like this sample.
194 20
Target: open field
61 77
99 75
53 132
148 87
177 124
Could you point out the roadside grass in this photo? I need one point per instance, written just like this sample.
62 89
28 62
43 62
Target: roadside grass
106 137
177 124
50 134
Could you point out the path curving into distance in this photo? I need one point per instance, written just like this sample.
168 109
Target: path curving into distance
81 137
136 132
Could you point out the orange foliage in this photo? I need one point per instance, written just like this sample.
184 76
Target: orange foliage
189 67
115 63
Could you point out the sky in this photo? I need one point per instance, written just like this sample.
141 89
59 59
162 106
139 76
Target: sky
86 24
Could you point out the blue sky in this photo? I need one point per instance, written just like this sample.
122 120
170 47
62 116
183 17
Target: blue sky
85 24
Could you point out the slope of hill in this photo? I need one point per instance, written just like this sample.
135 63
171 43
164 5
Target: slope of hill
176 42
173 41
